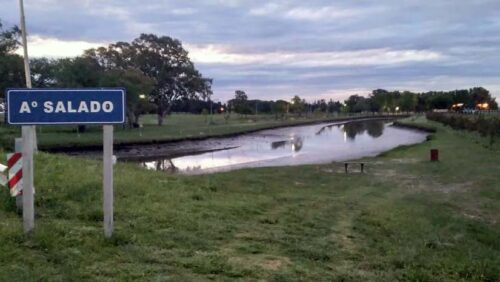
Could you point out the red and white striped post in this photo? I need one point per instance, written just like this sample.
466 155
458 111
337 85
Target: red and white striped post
18 147
15 176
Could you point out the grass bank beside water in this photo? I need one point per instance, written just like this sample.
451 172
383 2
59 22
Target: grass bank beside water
404 219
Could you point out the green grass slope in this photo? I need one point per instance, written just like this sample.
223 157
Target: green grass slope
404 219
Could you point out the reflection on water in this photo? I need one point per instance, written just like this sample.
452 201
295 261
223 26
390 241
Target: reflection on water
163 165
320 143
295 142
374 128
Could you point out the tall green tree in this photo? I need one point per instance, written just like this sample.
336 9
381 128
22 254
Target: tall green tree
11 65
481 95
298 105
43 72
357 104
408 102
279 108
379 100
164 60
334 106
137 84
11 72
77 72
240 103
9 39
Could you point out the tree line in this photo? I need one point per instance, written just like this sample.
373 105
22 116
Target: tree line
242 105
379 100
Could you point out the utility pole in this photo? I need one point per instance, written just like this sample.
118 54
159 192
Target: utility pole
28 134
27 71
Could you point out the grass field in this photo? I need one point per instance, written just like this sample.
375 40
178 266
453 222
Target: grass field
404 219
178 126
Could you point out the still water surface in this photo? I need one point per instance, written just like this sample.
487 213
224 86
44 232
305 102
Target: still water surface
311 144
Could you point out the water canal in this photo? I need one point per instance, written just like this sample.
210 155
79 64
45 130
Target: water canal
310 144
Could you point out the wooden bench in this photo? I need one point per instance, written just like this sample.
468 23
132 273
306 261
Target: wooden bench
362 165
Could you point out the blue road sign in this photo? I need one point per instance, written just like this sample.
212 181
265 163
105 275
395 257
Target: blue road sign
65 106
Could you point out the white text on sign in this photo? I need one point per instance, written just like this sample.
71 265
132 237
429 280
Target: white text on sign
68 107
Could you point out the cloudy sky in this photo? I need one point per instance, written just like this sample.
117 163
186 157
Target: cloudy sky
277 49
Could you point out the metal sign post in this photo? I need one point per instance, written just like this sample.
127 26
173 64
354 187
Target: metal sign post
28 197
105 106
107 179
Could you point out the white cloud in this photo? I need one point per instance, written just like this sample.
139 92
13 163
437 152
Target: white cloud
319 14
183 11
325 13
229 3
267 9
222 55
54 48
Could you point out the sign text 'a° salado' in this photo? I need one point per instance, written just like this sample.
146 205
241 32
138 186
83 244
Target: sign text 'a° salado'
65 106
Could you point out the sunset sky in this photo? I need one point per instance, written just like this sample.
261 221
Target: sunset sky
277 49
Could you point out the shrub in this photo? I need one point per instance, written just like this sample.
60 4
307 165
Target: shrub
485 126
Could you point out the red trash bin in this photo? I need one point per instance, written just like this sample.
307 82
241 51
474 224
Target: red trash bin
434 155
